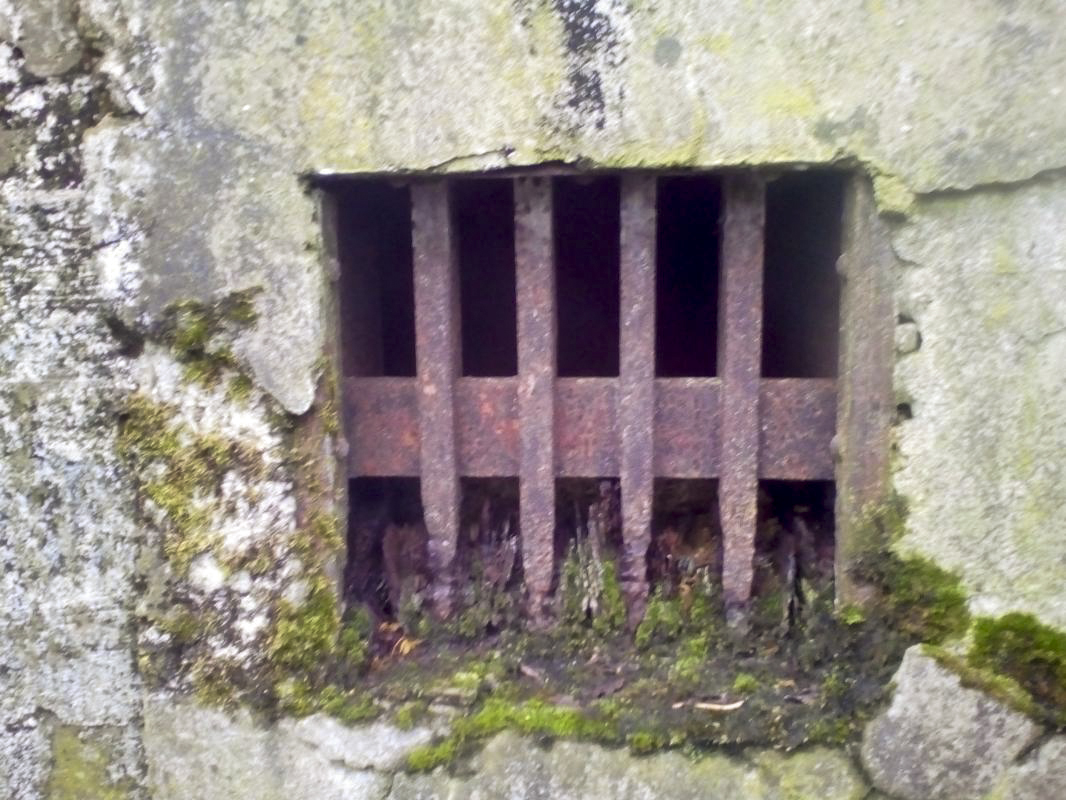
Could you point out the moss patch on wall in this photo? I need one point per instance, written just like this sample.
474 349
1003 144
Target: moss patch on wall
1018 647
80 769
192 330
179 471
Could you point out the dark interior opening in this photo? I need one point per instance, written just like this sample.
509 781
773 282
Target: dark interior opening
376 288
587 230
686 286
387 541
484 217
588 510
686 532
801 291
794 547
489 555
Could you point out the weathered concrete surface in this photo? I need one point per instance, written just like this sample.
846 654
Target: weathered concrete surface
203 754
983 460
67 540
246 98
1040 776
514 768
939 740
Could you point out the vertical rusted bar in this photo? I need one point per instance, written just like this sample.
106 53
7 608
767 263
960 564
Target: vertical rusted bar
739 355
636 402
535 286
437 343
864 411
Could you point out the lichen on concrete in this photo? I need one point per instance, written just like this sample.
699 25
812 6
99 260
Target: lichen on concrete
981 459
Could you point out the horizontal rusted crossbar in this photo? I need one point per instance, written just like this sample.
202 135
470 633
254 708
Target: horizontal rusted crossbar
536 426
798 421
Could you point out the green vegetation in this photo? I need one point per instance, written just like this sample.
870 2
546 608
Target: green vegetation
180 472
591 592
917 597
1000 687
1033 655
745 683
533 717
189 327
306 635
80 769
662 620
299 698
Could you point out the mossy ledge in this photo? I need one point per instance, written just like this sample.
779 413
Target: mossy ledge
1019 649
683 680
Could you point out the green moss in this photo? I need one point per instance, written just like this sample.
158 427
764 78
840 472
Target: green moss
80 769
692 656
851 615
881 525
917 597
182 624
353 644
745 683
213 683
410 714
186 472
349 707
532 718
239 388
1004 689
190 326
646 742
832 731
591 592
612 612
662 620
1020 647
305 635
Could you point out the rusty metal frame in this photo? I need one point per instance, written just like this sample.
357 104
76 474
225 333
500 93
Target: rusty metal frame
738 427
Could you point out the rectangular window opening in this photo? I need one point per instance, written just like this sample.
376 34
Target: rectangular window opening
686 535
484 218
794 548
801 290
587 244
377 297
686 286
388 561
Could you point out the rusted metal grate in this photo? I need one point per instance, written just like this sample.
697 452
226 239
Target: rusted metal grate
738 428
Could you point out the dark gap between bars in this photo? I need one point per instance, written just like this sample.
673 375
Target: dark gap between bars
376 285
801 290
686 287
484 217
587 231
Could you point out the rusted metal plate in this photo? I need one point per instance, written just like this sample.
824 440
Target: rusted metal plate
687 441
382 427
740 349
535 287
586 444
798 422
636 395
487 428
437 349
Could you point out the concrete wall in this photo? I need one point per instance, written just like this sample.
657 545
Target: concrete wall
153 153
